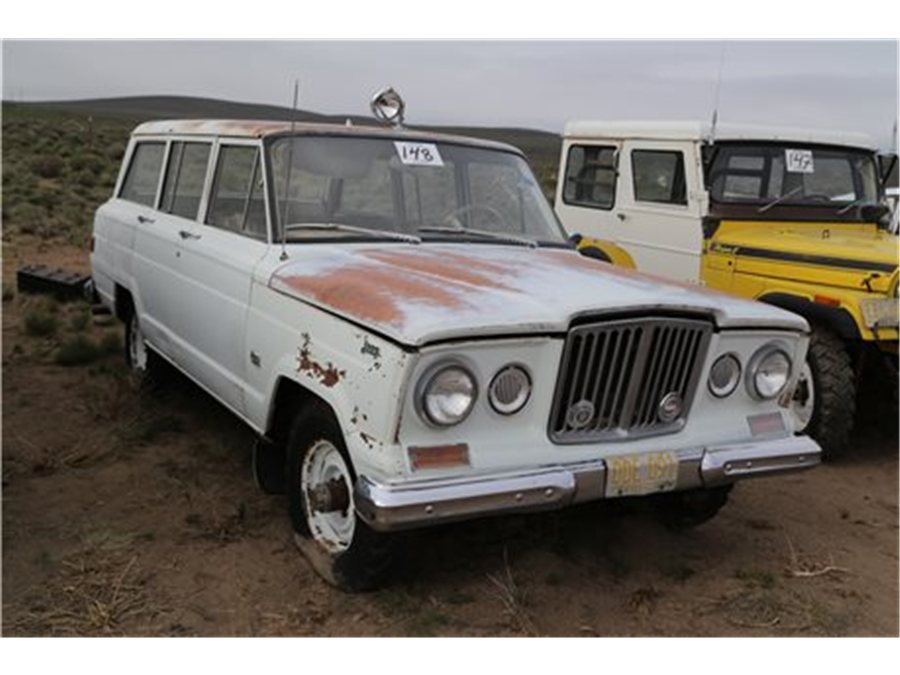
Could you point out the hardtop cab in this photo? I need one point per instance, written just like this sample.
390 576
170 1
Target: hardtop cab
392 312
792 217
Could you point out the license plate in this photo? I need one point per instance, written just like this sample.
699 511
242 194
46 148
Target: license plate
882 312
641 474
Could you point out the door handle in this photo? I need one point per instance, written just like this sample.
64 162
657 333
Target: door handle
621 216
184 234
145 219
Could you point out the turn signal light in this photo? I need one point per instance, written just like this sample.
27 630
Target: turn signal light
439 456
825 300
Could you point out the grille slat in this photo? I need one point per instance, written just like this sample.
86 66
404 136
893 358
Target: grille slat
614 376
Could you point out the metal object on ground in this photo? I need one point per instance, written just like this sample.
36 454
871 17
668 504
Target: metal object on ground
60 283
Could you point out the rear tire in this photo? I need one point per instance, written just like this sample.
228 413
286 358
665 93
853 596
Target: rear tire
829 420
341 548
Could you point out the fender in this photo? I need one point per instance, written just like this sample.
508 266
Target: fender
603 249
836 318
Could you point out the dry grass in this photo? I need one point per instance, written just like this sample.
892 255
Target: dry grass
97 591
805 567
513 597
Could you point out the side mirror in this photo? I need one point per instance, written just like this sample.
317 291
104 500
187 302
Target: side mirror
873 213
574 240
886 165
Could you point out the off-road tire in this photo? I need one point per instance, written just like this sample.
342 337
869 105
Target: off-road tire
368 562
835 392
687 509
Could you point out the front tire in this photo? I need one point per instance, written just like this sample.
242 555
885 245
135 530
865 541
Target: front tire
341 548
824 403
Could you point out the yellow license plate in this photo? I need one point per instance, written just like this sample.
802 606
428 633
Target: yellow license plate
641 474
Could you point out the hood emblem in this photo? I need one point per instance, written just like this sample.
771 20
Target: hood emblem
580 414
670 407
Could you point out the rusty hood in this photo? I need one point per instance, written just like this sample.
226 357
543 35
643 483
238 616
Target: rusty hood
416 294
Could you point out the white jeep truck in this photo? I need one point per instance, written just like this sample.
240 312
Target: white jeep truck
400 316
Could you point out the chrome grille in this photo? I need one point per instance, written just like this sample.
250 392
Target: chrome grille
614 376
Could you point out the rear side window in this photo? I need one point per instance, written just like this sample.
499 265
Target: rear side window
237 202
185 175
591 176
142 177
658 176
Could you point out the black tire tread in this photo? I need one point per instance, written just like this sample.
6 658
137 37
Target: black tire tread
835 391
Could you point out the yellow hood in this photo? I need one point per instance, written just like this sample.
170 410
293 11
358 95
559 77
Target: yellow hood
858 251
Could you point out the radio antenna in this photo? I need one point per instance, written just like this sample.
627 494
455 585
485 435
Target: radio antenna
715 113
286 204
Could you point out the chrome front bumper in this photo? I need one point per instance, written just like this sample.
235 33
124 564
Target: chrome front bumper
422 503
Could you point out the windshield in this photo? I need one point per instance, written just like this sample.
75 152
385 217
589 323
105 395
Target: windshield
792 175
338 187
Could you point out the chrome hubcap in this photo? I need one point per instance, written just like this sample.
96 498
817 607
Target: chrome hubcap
326 484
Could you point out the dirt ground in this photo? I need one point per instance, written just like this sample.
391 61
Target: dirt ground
128 513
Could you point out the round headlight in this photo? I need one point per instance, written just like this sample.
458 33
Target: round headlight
509 390
724 375
448 396
769 372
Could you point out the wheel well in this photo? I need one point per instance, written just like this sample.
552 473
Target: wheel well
594 252
837 319
290 398
124 303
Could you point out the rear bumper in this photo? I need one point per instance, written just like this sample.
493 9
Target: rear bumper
422 503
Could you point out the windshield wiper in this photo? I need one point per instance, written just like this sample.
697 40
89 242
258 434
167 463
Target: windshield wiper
340 227
499 236
778 200
851 205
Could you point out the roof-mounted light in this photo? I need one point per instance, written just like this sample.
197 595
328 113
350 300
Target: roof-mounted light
388 107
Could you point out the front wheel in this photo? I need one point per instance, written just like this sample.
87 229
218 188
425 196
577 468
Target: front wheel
341 548
824 401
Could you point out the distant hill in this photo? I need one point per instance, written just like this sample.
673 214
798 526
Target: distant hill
540 146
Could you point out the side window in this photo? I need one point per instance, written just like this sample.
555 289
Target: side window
236 202
142 177
658 176
590 176
184 180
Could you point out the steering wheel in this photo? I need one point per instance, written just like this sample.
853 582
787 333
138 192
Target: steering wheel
453 217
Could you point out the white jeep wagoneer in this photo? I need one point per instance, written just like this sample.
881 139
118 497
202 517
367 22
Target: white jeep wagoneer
399 316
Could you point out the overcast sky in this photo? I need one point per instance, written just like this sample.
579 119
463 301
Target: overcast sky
844 85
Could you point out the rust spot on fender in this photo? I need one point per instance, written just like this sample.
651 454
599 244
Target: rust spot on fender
328 375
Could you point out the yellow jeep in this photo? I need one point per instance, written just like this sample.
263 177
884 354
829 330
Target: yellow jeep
794 218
